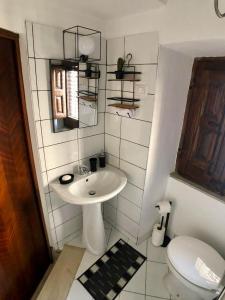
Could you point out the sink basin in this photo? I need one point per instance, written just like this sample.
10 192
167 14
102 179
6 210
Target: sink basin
90 191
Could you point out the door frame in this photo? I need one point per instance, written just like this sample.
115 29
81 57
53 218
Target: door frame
14 37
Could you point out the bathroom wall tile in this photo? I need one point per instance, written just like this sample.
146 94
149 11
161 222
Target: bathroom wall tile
93 130
43 74
129 209
133 153
156 254
146 107
112 124
135 175
29 34
39 134
154 282
51 138
65 213
102 80
48 41
112 85
33 81
69 227
54 239
113 202
35 106
127 224
56 173
133 194
48 202
101 101
61 154
112 160
56 201
143 46
51 220
109 213
45 105
45 182
103 50
136 131
42 160
115 49
91 145
112 145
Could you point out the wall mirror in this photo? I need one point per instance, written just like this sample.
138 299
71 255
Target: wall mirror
74 90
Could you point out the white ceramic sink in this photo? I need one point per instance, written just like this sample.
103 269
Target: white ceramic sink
90 191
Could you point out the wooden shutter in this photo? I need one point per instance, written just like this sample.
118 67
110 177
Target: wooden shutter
58 75
202 151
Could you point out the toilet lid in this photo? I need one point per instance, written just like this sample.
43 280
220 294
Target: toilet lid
196 261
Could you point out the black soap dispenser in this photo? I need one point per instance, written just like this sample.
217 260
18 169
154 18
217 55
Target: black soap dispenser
102 160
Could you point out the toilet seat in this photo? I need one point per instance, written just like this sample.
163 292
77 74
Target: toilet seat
197 262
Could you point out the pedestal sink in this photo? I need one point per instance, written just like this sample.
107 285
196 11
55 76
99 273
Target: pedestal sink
90 191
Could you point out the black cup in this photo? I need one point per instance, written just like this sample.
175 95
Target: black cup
102 161
93 164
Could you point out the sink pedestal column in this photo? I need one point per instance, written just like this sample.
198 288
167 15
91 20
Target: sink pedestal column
93 229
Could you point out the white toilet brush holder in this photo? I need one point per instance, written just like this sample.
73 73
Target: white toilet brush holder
158 235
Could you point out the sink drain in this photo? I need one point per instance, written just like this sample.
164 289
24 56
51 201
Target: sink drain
92 193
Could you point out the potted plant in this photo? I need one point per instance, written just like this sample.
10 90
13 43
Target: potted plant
120 65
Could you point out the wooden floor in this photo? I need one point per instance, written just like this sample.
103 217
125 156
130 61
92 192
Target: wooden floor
59 281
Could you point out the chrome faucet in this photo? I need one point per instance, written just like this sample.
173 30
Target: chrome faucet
83 170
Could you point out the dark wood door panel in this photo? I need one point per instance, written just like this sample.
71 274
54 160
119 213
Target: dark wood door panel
24 251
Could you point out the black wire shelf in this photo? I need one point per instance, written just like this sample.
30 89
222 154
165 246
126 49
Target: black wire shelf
124 99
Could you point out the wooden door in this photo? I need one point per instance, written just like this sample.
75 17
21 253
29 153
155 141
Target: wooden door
202 150
24 251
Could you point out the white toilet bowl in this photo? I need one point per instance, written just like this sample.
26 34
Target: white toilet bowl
196 270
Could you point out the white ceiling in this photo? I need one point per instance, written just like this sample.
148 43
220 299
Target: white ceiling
111 9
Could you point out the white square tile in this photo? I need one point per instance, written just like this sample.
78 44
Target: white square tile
142 248
153 298
112 145
135 175
43 74
39 134
156 254
112 160
102 79
56 202
143 46
56 173
101 100
113 202
48 202
137 283
77 291
115 49
53 237
112 124
45 182
87 260
33 81
69 227
115 236
51 138
93 130
154 283
48 41
146 108
42 160
131 296
136 131
29 34
61 154
129 209
127 224
51 220
91 145
133 194
65 213
45 104
109 213
35 106
134 153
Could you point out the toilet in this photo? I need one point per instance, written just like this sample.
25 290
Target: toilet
196 270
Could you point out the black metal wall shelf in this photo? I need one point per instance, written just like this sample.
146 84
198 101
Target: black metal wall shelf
123 99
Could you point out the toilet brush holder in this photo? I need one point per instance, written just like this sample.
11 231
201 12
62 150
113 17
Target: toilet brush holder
158 235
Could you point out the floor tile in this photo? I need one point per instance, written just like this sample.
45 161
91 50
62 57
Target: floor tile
154 281
153 298
115 236
142 248
77 291
131 296
87 261
157 254
137 283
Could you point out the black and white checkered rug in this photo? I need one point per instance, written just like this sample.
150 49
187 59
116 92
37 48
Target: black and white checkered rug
107 277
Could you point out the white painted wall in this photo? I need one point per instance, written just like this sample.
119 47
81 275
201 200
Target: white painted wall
197 214
173 80
179 20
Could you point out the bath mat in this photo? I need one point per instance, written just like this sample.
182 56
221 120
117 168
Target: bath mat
107 277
